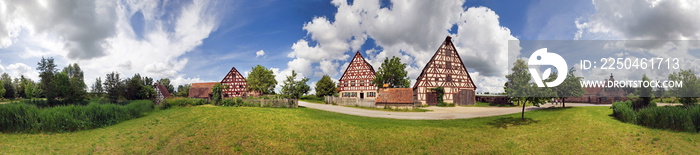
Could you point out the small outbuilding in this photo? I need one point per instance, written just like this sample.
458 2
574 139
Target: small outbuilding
202 90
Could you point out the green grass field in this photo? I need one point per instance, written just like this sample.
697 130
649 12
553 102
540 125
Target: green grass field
243 130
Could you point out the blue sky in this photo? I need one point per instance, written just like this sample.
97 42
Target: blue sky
199 41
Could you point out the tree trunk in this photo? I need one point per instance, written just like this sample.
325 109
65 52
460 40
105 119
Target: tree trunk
563 102
522 115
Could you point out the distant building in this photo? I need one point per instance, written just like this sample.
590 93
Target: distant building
357 80
201 90
236 84
601 95
445 69
161 92
395 96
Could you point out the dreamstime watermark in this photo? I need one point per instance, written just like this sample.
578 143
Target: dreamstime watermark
542 57
594 62
631 84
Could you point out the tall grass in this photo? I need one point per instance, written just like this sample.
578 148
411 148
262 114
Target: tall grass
184 102
673 118
25 118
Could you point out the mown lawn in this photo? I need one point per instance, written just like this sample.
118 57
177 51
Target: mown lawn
243 130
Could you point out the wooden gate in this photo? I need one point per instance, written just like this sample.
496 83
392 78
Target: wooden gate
465 97
431 98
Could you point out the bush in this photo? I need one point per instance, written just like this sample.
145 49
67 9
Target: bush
312 97
20 117
624 112
694 113
183 102
673 118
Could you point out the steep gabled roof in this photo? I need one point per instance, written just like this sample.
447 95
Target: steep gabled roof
443 62
358 63
163 91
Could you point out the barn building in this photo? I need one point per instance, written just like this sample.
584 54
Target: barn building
201 90
445 69
600 95
356 81
236 84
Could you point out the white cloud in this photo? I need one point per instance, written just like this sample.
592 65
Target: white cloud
410 30
482 42
642 20
84 34
259 53
20 69
101 39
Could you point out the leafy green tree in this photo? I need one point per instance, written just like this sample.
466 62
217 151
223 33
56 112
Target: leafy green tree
97 86
325 86
571 87
47 69
216 93
10 90
62 86
166 83
30 88
113 86
522 90
687 94
261 80
183 90
19 87
645 93
138 88
295 89
2 88
76 86
392 72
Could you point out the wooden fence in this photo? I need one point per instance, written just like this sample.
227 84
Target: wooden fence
276 103
351 101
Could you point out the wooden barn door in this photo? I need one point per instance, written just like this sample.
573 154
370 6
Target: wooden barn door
431 98
469 96
465 97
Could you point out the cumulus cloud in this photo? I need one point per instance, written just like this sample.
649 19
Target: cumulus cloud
259 53
642 20
410 30
16 70
83 25
102 37
658 28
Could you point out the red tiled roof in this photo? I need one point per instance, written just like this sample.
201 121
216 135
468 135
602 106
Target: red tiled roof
201 90
395 96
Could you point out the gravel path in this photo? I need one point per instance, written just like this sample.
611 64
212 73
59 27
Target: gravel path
438 113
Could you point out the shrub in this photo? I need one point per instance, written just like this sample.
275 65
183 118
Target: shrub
20 117
183 102
312 97
674 118
694 113
624 112
35 101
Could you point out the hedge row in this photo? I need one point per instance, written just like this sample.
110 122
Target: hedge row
673 118
25 118
184 102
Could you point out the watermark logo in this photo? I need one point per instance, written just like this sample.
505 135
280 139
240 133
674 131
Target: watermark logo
542 57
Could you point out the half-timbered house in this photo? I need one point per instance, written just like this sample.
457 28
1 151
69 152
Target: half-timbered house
357 79
235 84
445 69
